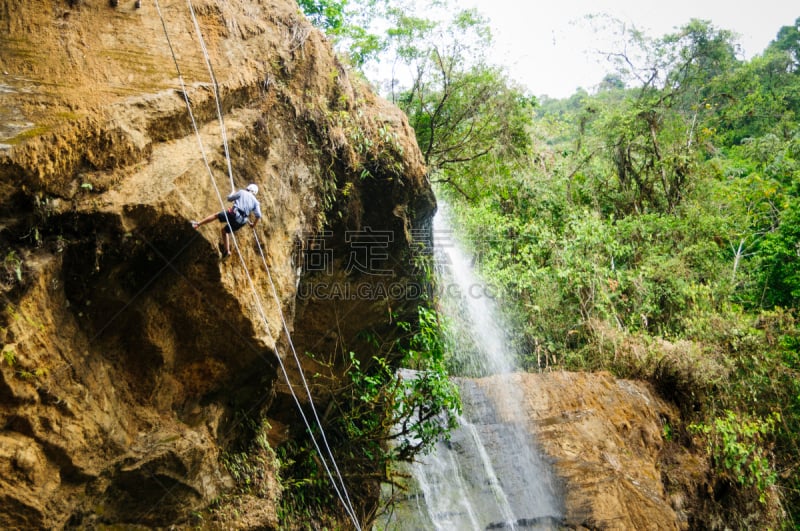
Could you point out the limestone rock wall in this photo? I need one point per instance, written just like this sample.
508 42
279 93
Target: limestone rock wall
608 442
130 352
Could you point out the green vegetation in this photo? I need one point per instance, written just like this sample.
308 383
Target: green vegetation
649 227
654 233
247 467
736 445
9 356
11 270
27 134
379 417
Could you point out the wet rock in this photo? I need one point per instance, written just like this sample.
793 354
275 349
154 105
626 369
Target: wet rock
604 439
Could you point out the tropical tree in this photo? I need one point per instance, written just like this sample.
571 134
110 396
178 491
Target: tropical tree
326 14
650 135
788 40
471 121
349 24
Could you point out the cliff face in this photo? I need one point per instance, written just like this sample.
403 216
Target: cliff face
603 453
133 356
611 449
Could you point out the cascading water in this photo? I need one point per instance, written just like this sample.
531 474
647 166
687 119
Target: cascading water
490 474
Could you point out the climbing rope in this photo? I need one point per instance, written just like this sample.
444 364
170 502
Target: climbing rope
185 94
216 93
341 494
297 361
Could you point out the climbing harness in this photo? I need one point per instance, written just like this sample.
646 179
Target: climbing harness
338 483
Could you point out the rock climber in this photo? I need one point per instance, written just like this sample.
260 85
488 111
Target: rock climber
237 216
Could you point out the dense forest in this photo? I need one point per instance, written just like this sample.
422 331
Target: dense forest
649 226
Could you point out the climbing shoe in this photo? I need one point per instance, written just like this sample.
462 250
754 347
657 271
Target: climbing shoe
195 224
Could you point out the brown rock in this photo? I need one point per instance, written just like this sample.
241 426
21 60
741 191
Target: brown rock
132 347
604 438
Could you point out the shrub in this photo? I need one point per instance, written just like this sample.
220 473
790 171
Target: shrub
738 448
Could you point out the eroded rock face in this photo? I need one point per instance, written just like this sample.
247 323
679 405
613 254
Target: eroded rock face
605 439
130 352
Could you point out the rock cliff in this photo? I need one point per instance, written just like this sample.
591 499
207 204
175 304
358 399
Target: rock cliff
609 450
610 446
133 358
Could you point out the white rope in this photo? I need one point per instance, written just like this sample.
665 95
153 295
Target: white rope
216 93
345 500
297 362
185 94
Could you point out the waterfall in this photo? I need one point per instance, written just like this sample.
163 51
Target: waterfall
489 475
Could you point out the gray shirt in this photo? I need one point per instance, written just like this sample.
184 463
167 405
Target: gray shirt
245 202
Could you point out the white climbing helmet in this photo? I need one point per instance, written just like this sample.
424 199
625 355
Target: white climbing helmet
252 188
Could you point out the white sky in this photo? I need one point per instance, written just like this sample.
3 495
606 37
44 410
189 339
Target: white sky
547 49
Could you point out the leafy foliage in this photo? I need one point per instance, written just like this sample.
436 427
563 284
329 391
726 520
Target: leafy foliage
654 233
468 117
348 23
736 445
381 416
410 411
326 14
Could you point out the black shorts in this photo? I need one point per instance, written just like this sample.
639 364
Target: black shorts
233 222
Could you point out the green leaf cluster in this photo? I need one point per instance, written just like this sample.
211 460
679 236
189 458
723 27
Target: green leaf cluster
382 415
400 414
737 446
